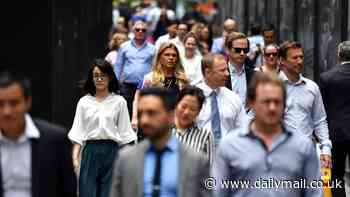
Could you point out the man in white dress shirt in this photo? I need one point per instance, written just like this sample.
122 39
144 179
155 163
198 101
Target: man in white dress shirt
171 36
223 110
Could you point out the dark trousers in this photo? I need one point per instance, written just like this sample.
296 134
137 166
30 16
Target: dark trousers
96 168
339 152
128 90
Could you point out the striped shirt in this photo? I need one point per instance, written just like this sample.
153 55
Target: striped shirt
196 138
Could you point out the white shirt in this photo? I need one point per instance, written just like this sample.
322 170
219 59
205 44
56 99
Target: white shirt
16 161
166 38
192 68
100 120
232 113
238 82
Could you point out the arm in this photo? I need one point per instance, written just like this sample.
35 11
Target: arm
120 62
220 171
134 121
76 156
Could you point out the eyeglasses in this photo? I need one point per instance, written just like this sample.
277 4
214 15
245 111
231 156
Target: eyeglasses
239 50
140 30
101 77
269 54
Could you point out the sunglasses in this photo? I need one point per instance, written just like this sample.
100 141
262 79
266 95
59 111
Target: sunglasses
269 54
239 50
140 30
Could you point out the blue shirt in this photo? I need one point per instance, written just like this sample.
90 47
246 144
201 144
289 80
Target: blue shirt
169 172
133 63
242 156
218 45
305 111
238 82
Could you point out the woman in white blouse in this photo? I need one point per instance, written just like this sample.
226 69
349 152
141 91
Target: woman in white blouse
101 125
191 58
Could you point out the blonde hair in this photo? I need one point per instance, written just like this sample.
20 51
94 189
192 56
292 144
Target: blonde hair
158 76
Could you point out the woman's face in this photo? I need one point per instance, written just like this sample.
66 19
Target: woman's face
101 79
190 44
205 33
187 110
168 58
120 39
270 56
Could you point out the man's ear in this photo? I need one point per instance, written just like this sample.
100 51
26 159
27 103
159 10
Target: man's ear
28 101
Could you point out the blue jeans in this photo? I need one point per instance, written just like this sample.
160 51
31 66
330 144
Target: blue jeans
96 168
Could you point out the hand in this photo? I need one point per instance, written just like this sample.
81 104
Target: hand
76 164
326 161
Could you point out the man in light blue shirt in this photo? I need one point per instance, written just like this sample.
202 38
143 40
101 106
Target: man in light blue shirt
159 166
262 158
134 60
304 111
230 25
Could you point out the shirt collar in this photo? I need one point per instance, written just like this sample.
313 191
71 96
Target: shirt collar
285 79
172 145
133 42
233 69
30 130
246 131
208 90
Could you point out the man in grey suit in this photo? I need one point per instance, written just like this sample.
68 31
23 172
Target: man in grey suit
159 165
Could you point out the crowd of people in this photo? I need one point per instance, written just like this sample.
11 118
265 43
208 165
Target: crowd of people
173 111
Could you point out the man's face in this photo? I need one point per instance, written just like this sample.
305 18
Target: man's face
268 104
219 74
13 106
172 30
239 50
269 37
182 30
153 118
140 31
293 63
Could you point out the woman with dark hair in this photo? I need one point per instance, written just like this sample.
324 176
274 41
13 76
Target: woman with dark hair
189 104
101 125
206 35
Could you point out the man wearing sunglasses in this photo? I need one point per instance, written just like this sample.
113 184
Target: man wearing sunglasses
133 62
240 67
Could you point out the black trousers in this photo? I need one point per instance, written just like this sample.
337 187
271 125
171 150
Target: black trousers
128 90
339 152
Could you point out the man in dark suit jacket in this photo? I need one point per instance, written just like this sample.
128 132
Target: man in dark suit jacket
35 155
240 67
160 165
335 86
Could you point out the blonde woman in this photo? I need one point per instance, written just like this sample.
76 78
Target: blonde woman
167 72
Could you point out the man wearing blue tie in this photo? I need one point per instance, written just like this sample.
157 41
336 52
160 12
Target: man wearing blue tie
223 110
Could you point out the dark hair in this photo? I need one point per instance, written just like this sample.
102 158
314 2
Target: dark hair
255 29
172 22
192 91
9 77
162 93
210 39
105 67
268 27
285 46
264 78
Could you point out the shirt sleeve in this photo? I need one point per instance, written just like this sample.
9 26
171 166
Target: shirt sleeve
123 124
119 62
319 118
242 117
76 134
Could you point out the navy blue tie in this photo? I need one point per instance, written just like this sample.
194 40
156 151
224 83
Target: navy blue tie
215 118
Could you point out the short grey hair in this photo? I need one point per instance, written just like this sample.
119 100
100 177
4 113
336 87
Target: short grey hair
344 51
